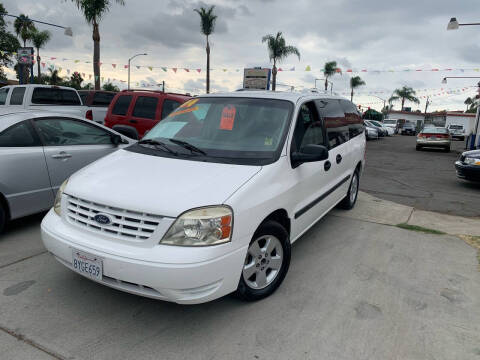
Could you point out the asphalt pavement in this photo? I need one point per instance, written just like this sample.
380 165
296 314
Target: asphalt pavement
424 179
355 290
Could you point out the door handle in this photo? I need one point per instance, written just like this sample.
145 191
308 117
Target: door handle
133 121
327 165
338 159
62 155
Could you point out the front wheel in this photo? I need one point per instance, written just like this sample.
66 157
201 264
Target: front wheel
266 263
351 198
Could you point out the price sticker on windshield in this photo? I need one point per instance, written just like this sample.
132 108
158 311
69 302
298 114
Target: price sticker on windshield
228 117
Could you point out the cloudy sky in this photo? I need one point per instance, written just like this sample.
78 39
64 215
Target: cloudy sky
373 35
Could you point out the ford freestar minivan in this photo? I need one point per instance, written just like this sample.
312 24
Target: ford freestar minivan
211 199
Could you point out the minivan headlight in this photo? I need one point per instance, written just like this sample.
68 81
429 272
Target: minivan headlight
57 205
201 227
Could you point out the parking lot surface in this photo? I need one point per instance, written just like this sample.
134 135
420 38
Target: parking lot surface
424 179
355 290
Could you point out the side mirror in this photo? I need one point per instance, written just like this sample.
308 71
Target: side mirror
309 153
115 139
127 131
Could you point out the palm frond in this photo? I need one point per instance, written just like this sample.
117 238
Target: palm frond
208 19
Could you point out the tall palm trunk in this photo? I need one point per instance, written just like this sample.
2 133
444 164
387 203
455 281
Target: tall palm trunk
39 75
351 96
403 103
326 83
274 76
208 66
96 55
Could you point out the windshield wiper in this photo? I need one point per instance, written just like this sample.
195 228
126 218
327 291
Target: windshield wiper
158 144
188 146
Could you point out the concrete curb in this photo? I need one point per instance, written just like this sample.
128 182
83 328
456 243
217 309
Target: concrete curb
372 209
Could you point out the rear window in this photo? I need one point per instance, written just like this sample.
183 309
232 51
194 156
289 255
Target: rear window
456 127
145 107
83 97
3 95
121 105
17 96
55 96
433 130
102 99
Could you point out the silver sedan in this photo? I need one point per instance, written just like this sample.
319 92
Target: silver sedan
39 150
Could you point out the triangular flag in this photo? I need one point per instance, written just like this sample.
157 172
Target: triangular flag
187 70
308 68
114 65
68 71
174 70
164 69
83 75
59 69
138 67
52 58
224 70
237 70
89 76
125 66
76 61
150 68
338 70
364 70
280 69
349 70
100 63
292 69
199 70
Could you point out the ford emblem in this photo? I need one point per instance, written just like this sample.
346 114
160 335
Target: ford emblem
103 219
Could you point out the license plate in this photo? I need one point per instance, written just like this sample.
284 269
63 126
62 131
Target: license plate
87 264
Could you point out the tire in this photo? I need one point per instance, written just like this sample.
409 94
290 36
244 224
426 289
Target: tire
418 147
3 218
258 260
351 198
447 149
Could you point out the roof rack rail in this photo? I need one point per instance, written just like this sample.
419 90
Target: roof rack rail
156 91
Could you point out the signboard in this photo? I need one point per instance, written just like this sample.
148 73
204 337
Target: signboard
25 56
256 78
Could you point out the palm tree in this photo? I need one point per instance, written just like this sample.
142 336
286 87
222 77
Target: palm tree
207 18
39 39
278 51
24 28
93 11
329 69
469 102
405 93
355 82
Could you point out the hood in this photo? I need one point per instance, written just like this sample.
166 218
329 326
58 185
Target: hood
472 153
157 185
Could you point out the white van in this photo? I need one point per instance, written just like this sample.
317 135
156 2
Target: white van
211 199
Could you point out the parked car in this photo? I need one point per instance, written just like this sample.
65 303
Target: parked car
457 131
134 112
391 123
434 137
381 131
468 166
39 150
408 129
211 199
97 102
388 131
371 133
42 97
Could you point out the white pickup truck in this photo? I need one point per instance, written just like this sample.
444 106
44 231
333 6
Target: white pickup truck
97 103
59 99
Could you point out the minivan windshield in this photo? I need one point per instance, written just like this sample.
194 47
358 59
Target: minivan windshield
225 129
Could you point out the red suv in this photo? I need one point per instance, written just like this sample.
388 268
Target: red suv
134 112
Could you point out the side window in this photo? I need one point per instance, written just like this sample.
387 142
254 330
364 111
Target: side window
59 132
168 107
121 105
309 127
18 135
17 96
83 97
354 120
145 107
335 122
3 95
102 98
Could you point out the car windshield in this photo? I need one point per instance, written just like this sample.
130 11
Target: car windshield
376 123
226 129
434 130
408 126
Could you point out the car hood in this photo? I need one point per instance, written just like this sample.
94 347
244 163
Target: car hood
157 185
472 153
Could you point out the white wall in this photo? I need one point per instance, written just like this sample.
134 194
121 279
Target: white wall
467 122
413 117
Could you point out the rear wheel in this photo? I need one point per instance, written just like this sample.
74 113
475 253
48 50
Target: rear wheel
418 147
266 262
447 149
351 198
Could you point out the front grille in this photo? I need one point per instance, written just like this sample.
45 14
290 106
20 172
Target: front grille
126 224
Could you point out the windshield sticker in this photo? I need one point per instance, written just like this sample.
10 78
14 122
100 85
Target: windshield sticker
188 103
228 117
179 112
268 141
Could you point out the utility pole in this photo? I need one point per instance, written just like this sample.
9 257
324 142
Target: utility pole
426 107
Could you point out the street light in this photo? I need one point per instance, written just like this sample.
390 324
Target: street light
454 25
444 80
134 56
68 30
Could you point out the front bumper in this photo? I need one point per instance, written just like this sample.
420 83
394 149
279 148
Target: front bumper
187 282
467 172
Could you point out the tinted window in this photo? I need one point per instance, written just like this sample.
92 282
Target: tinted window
58 132
102 98
145 107
18 135
456 127
17 96
309 127
3 95
55 96
353 118
83 97
336 124
434 130
168 107
121 105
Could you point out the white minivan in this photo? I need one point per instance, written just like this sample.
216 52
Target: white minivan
211 199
